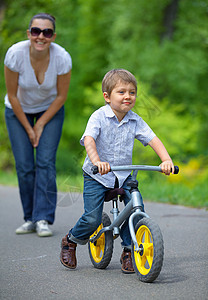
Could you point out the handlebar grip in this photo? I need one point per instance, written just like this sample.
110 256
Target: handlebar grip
94 169
176 170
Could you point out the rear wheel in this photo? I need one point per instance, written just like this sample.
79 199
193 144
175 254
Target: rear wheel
148 261
102 249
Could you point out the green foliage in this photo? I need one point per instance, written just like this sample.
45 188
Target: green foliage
169 125
174 68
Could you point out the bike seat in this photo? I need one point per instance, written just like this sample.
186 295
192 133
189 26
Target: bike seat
112 194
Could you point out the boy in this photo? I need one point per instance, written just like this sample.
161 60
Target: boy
109 139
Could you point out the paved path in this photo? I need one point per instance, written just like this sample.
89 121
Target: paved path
30 267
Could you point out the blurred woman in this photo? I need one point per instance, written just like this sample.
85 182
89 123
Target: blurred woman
37 75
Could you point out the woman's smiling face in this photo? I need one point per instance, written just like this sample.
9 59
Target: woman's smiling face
40 42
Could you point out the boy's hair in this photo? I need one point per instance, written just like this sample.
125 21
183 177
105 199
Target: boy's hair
114 76
44 16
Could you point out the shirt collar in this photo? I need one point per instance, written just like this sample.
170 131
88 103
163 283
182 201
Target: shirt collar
108 111
110 114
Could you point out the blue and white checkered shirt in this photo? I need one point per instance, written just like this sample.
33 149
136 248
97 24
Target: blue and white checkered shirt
114 141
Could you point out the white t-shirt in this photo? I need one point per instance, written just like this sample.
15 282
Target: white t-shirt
35 97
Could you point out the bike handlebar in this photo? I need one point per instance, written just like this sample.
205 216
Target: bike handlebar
135 167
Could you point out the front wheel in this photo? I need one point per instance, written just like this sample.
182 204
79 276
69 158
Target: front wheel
102 249
148 261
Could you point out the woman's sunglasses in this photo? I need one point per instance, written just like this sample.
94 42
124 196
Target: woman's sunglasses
35 31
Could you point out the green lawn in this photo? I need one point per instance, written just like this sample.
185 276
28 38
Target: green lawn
158 189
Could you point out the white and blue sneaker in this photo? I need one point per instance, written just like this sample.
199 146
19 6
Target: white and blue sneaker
27 227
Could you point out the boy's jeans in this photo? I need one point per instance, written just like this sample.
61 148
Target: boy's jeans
36 169
94 194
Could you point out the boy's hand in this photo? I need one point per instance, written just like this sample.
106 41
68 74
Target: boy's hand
167 167
103 167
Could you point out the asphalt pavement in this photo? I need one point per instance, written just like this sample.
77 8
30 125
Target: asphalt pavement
30 268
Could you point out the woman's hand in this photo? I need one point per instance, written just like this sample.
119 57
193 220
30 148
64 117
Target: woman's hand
32 136
38 129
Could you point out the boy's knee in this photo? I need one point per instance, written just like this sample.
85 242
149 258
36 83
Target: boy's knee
93 223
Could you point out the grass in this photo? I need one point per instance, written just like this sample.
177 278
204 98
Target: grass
8 178
155 189
65 183
176 193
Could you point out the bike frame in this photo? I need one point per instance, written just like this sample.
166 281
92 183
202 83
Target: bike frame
133 208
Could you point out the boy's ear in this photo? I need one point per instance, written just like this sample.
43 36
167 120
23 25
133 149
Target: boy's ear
106 97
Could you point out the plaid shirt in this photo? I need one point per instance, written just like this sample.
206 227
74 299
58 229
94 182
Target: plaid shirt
114 141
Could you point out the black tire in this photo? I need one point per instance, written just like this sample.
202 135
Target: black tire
101 250
148 262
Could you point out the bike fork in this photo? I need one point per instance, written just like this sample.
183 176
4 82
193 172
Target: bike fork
137 213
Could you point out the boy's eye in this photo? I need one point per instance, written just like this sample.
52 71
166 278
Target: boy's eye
132 93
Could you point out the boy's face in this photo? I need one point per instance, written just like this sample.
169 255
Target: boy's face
122 98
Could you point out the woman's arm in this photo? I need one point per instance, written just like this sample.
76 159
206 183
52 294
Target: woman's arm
90 146
11 79
63 82
167 164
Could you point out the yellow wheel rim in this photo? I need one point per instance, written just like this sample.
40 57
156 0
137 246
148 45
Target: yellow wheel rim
97 248
144 259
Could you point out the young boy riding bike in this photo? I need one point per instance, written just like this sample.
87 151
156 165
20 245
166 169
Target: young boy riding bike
109 139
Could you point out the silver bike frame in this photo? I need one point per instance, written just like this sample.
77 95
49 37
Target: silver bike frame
123 215
133 208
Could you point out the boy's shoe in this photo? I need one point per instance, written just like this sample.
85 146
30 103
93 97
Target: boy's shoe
43 229
126 261
68 254
27 227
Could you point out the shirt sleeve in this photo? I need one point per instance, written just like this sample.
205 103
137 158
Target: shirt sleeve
13 60
64 63
143 132
92 128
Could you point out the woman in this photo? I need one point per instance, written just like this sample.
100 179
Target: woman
37 75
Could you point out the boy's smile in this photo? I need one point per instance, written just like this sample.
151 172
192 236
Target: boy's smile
122 98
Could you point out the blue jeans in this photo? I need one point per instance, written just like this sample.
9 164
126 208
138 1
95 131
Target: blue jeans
36 170
94 195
